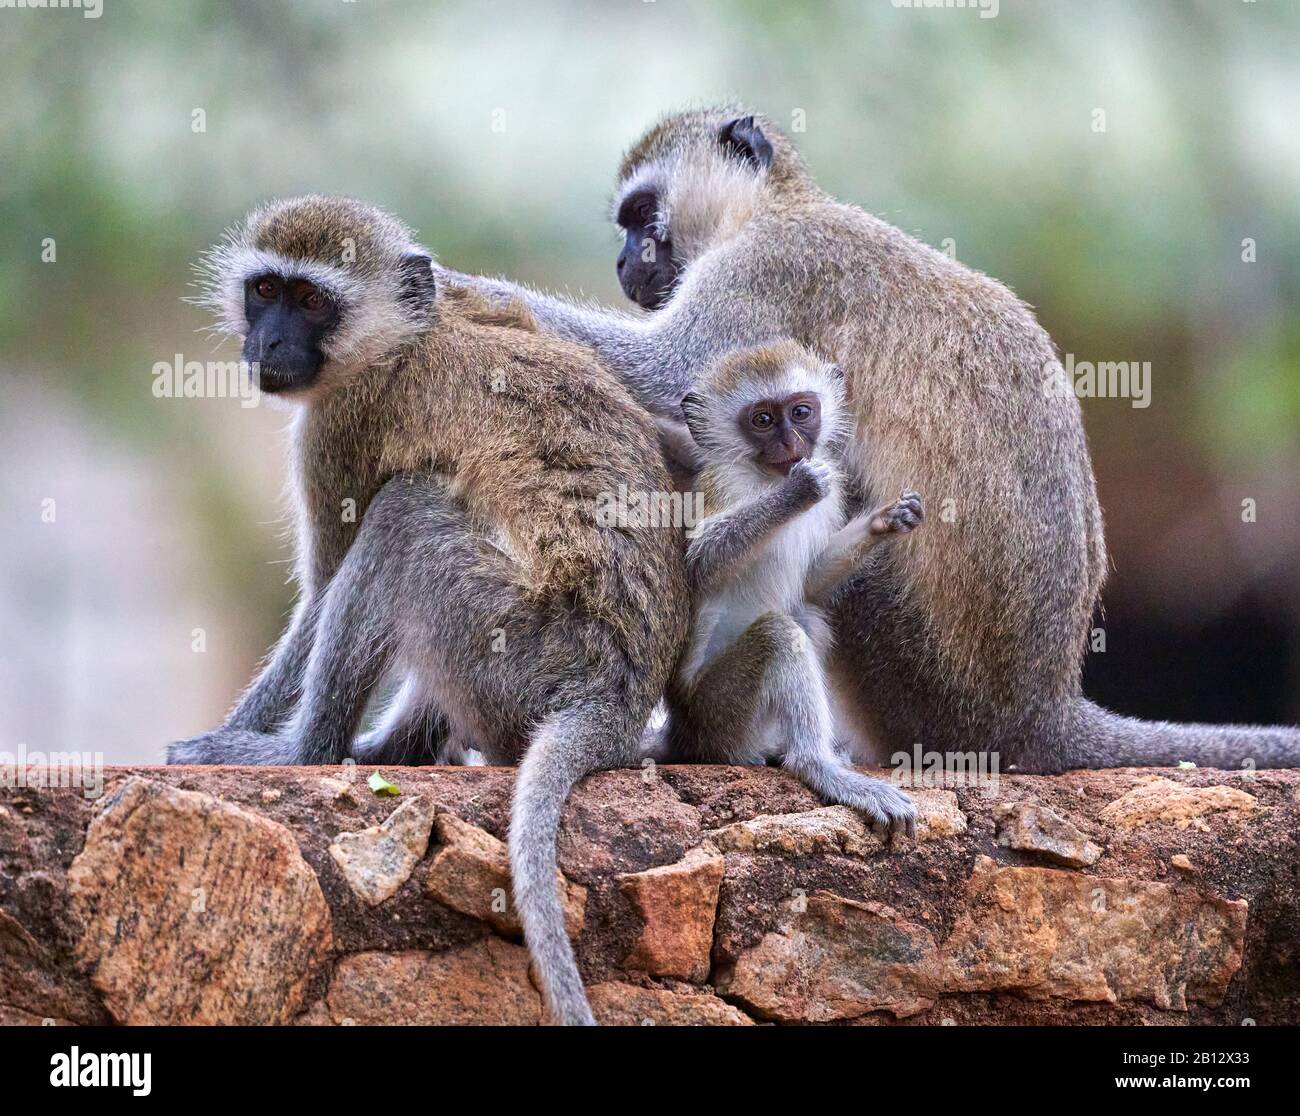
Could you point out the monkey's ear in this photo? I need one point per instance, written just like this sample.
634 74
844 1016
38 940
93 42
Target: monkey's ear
695 411
743 138
418 286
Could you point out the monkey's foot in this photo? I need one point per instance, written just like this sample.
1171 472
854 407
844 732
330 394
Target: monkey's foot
230 746
888 809
900 517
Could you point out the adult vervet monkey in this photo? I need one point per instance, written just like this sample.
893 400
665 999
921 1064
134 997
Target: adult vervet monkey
971 636
475 453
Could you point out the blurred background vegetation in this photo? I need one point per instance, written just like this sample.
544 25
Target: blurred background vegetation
136 615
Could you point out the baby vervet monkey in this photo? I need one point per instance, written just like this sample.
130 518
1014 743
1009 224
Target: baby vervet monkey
768 556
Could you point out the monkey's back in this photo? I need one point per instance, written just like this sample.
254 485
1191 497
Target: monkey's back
539 441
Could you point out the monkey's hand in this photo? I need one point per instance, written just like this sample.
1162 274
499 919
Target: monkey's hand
899 518
809 482
681 454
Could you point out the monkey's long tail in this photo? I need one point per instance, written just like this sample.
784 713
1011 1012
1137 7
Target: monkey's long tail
1103 739
567 746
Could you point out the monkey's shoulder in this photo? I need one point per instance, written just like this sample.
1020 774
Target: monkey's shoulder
482 354
474 327
477 308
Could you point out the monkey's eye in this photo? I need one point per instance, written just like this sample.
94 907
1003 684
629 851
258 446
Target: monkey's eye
638 210
313 300
266 288
801 412
761 419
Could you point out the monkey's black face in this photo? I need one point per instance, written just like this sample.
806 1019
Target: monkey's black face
646 269
782 431
288 321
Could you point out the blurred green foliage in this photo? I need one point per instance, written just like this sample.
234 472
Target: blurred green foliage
950 125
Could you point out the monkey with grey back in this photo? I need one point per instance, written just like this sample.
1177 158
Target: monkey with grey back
476 453
772 549
971 636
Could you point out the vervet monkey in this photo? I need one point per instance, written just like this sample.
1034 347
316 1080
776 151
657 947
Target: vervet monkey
476 452
772 549
971 636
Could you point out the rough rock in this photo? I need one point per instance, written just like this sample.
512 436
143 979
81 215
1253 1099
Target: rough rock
1159 801
16 1017
1045 932
838 959
837 829
339 788
625 822
937 814
485 983
616 1004
195 911
378 860
30 978
815 919
677 904
471 873
831 829
1032 827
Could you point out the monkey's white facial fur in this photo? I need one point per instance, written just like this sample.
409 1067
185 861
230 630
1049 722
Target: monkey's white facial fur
376 314
704 198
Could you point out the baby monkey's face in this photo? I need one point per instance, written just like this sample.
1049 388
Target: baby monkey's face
782 431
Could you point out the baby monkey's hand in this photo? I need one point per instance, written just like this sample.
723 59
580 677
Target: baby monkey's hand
809 482
900 517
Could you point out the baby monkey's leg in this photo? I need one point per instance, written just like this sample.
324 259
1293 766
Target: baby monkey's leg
772 674
850 545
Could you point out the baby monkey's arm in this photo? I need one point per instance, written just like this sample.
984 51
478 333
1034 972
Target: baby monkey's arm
729 538
850 545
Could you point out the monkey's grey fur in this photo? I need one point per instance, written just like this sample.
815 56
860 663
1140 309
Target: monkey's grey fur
477 451
751 686
972 635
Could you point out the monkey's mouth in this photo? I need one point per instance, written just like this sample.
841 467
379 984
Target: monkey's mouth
784 466
652 297
275 379
656 290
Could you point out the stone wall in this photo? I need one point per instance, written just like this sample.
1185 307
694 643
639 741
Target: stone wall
695 895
